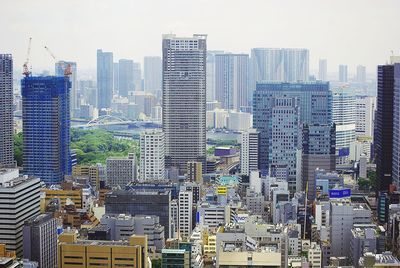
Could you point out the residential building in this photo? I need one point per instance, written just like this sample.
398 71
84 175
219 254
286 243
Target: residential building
40 240
249 151
195 172
21 201
105 78
184 100
152 73
60 67
125 77
46 127
121 171
210 80
315 255
323 70
343 76
6 111
152 154
185 204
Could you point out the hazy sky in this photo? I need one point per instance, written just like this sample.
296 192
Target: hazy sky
343 31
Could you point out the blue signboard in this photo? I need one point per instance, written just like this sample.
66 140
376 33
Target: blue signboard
339 193
344 151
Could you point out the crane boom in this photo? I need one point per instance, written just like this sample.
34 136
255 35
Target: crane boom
25 66
67 70
51 53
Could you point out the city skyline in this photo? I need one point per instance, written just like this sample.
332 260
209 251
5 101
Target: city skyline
43 24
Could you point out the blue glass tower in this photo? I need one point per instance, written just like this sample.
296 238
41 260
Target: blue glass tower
46 127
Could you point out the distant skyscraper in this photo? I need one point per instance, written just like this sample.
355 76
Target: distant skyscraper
40 240
279 65
125 77
184 100
6 111
231 80
383 134
104 79
211 74
74 100
152 155
361 75
137 76
152 73
116 77
314 95
46 127
323 70
343 73
396 126
249 151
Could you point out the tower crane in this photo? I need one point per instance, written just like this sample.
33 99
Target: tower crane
26 71
67 70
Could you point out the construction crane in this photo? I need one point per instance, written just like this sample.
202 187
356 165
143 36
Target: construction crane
26 71
67 70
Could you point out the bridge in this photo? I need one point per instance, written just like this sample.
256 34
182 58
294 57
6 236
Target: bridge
110 120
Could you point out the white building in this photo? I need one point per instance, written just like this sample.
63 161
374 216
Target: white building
185 213
121 171
315 255
249 151
364 115
239 121
152 154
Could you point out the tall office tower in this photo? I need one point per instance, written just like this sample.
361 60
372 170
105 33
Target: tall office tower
115 77
184 100
361 75
6 111
318 151
121 171
74 103
231 80
104 79
185 213
40 240
152 74
46 127
343 73
314 95
125 77
210 80
195 171
396 127
343 115
279 65
137 76
365 115
383 133
323 70
152 155
20 197
249 151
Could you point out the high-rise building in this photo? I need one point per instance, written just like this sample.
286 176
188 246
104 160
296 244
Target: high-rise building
137 76
6 111
383 134
184 100
152 154
249 151
74 103
211 74
396 127
315 102
125 77
323 70
121 171
40 240
185 213
343 76
115 77
46 127
365 115
278 65
195 171
20 197
343 115
152 73
361 76
105 78
231 80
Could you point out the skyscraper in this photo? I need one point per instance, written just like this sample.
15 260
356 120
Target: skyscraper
115 77
396 127
6 111
46 127
383 134
343 73
211 74
184 100
74 100
231 80
152 73
137 76
249 151
104 79
323 70
361 75
152 155
365 115
315 102
125 77
185 213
